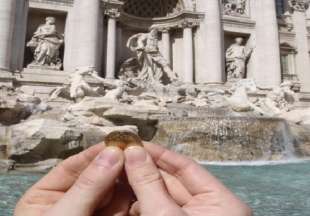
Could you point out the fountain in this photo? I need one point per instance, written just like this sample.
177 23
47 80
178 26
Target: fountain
228 138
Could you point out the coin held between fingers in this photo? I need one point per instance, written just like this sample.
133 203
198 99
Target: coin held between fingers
123 139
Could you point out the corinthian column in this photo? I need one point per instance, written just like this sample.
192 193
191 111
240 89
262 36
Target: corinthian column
300 27
166 44
267 50
113 14
19 38
86 35
7 23
210 67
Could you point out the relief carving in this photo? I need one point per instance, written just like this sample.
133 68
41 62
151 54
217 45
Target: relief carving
299 5
235 7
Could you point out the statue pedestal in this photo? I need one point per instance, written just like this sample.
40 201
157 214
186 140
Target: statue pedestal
43 67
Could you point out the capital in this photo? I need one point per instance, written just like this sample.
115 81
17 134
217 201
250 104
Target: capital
299 5
187 24
112 13
164 29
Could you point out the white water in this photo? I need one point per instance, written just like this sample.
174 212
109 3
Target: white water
254 163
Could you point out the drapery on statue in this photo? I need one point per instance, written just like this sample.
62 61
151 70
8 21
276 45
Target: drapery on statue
149 65
236 57
45 44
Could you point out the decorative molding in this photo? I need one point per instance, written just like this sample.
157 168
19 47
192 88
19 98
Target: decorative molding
299 5
173 22
238 24
187 23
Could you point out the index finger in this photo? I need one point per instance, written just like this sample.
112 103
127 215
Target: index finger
62 177
195 178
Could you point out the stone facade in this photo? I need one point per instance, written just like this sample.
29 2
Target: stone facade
224 71
194 36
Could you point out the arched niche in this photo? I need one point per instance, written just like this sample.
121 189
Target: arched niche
142 14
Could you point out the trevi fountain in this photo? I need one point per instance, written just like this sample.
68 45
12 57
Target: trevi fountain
225 82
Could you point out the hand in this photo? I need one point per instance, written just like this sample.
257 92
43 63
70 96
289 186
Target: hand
175 185
83 185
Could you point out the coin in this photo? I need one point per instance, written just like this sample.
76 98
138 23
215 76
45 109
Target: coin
122 139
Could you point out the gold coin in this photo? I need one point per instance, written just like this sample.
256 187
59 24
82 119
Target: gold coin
122 139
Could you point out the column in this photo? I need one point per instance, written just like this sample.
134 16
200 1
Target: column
267 71
188 55
19 37
210 64
166 44
302 56
7 23
86 26
111 43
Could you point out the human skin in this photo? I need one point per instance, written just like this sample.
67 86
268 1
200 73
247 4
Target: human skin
93 183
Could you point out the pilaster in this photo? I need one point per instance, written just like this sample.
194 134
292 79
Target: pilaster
298 10
267 71
210 63
188 52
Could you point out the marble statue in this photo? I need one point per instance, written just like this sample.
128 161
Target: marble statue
79 86
149 65
45 44
236 57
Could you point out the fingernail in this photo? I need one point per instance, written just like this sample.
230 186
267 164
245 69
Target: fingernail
135 155
109 157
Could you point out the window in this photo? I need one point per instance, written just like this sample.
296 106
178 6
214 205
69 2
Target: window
288 55
284 64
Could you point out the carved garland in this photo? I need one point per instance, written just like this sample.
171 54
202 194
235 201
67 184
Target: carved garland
299 5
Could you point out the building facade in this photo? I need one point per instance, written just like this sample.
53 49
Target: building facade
197 37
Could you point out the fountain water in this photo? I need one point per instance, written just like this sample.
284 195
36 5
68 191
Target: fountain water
228 139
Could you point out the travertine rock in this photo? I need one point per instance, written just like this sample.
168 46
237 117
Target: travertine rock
6 165
42 139
297 116
41 166
239 101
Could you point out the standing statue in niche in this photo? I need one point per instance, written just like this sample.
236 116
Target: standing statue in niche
236 57
45 44
149 65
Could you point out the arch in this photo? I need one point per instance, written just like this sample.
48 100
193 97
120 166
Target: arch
156 8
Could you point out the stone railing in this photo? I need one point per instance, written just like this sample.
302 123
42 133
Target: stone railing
55 2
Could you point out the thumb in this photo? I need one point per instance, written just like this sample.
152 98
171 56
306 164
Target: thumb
146 182
93 186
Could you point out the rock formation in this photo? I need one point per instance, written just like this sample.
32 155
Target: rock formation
100 106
